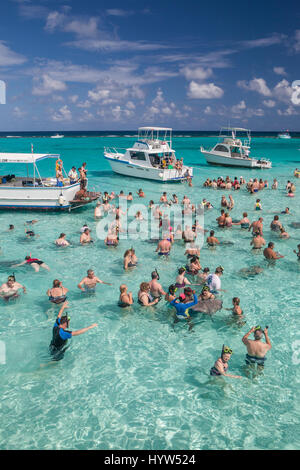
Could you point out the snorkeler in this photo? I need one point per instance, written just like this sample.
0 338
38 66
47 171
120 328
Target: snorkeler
34 262
156 290
60 334
9 290
89 282
57 294
221 365
256 349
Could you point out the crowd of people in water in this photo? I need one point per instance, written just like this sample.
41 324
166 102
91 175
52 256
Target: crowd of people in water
181 294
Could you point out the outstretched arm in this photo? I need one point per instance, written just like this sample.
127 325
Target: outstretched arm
83 330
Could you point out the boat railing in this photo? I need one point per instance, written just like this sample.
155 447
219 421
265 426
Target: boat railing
113 149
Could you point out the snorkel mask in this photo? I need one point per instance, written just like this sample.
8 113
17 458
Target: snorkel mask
226 350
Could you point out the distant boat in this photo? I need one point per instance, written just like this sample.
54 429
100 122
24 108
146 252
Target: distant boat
57 136
284 135
151 157
13 136
232 151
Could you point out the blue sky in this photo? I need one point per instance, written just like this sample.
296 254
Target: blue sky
109 65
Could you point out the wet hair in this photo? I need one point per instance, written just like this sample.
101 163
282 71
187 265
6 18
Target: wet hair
64 319
154 275
123 287
62 235
276 217
194 259
181 270
144 286
245 214
270 244
56 283
206 270
127 253
236 300
212 232
172 289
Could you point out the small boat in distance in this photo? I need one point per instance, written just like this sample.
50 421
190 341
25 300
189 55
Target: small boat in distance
231 150
151 157
57 136
284 135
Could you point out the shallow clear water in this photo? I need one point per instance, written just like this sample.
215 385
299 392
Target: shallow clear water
135 382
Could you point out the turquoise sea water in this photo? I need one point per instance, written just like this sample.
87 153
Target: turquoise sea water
135 382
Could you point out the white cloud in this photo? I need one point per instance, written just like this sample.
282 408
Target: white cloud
257 84
208 110
283 91
119 12
237 108
279 70
86 116
73 98
54 19
130 105
114 45
263 42
196 73
64 114
269 103
204 91
9 57
47 85
290 111
83 28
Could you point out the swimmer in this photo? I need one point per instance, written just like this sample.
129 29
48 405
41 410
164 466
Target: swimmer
283 233
286 211
9 290
228 220
276 224
182 305
57 294
144 297
257 226
192 250
34 262
257 242
125 299
270 254
11 227
130 259
221 220
30 234
140 193
31 222
156 290
112 238
236 309
202 277
297 252
256 349
61 240
212 240
181 280
98 210
213 280
164 246
194 266
244 222
221 365
89 282
171 293
206 294
85 237
257 205
275 184
188 235
60 334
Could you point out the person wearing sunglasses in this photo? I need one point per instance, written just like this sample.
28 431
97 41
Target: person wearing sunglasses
256 349
221 365
60 334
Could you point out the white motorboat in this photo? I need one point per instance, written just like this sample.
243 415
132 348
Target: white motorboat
151 157
35 192
57 136
233 151
284 135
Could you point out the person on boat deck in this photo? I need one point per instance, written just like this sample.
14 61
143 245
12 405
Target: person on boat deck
58 164
61 335
83 172
90 281
73 175
59 177
256 349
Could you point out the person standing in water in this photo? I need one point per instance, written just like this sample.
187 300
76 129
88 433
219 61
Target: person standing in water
221 365
89 282
9 290
60 334
156 290
256 349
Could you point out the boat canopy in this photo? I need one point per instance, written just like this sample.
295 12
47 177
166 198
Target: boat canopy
25 157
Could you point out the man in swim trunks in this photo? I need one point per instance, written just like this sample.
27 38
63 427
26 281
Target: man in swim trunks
270 254
257 226
256 349
164 246
156 289
85 237
257 242
61 335
212 240
89 282
9 290
221 220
